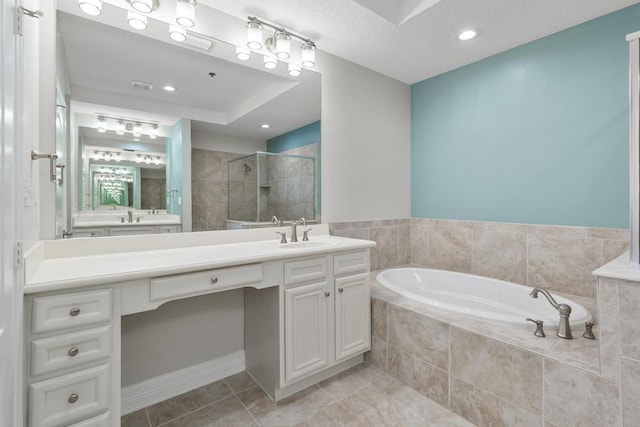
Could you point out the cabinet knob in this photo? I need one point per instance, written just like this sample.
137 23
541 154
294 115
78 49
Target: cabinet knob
73 351
73 398
74 311
214 280
327 294
340 290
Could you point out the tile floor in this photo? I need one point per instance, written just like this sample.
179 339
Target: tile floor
360 396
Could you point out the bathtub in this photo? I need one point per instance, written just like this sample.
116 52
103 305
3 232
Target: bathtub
478 297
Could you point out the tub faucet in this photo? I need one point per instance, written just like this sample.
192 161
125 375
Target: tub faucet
564 329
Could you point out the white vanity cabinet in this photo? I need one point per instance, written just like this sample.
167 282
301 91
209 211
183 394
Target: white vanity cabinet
70 348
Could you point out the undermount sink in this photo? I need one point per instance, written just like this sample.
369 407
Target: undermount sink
311 244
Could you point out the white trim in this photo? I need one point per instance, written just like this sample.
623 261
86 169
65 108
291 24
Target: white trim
166 386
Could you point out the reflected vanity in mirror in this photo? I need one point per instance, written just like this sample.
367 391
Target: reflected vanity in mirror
147 159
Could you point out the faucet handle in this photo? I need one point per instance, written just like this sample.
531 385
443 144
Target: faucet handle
588 332
305 236
284 236
121 218
539 331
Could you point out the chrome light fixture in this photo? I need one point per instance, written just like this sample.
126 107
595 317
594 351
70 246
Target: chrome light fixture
308 53
177 33
254 35
282 44
91 7
186 13
136 20
242 53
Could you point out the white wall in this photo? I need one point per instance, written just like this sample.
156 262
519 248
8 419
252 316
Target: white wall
365 143
206 140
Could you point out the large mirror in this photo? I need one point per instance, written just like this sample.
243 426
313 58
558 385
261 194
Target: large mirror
142 158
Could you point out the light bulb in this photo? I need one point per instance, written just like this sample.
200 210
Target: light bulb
91 7
270 62
177 33
308 55
294 70
467 35
283 43
185 13
242 53
142 6
254 35
136 21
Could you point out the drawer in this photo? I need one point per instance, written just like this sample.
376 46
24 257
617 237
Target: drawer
90 232
55 312
65 351
69 398
130 230
163 229
102 420
181 285
307 270
351 263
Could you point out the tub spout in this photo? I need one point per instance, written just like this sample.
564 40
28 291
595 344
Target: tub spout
564 329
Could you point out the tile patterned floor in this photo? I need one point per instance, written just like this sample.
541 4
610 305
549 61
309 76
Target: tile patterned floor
361 396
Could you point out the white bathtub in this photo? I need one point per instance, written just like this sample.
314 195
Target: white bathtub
479 297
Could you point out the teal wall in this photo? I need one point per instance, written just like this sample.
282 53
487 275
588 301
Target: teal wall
537 134
299 138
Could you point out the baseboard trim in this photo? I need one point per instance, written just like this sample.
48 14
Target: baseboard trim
166 386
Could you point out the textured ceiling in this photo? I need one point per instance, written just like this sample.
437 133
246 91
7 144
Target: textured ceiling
425 43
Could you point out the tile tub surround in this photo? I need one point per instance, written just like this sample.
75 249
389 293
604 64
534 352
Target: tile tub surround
360 396
493 374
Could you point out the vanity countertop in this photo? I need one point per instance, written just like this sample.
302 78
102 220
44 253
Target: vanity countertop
66 264
118 223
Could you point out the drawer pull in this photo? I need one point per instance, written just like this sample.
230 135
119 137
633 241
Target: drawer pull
73 351
214 280
73 398
327 294
340 290
74 311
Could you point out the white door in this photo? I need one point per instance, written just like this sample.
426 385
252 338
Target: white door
305 317
353 316
10 226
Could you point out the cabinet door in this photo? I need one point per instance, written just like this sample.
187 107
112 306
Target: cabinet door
353 316
305 314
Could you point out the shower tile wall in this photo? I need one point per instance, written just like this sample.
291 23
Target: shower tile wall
243 188
209 188
153 193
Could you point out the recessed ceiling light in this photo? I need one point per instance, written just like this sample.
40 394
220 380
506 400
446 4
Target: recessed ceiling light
467 34
265 126
169 88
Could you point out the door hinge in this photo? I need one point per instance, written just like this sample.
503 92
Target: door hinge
17 30
19 254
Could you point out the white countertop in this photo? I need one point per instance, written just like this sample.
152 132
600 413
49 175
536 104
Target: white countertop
66 264
118 223
619 268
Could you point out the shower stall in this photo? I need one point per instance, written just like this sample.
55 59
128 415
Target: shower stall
263 185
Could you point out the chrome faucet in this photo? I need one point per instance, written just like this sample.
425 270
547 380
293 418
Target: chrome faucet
130 216
294 228
275 220
564 329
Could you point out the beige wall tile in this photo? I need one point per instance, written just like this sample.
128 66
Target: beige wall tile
509 227
608 327
377 356
425 222
450 249
419 375
379 319
629 303
500 255
419 245
486 409
354 233
608 233
418 335
563 264
402 221
574 394
612 249
385 254
404 244
630 388
512 374
561 231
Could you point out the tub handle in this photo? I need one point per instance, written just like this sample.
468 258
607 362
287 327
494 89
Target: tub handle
539 331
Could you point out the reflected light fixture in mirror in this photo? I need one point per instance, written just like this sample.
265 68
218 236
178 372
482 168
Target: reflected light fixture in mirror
270 62
91 7
186 13
308 55
242 53
254 35
294 70
177 33
120 127
136 20
142 6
